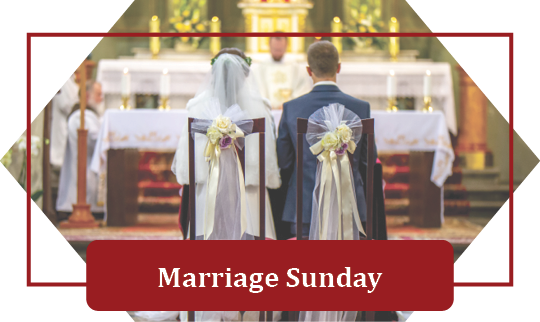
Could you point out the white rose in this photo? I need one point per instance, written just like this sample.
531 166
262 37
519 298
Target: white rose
213 134
330 141
223 123
344 133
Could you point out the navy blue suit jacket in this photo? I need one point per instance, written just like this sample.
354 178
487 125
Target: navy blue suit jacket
303 107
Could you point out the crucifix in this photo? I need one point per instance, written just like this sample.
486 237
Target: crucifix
81 216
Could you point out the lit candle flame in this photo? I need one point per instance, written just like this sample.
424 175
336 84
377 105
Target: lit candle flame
336 19
125 70
428 72
154 18
215 19
165 71
392 72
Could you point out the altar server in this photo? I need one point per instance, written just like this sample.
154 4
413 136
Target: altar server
62 103
67 189
280 78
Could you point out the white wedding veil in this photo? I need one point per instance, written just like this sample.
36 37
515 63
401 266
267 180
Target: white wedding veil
231 82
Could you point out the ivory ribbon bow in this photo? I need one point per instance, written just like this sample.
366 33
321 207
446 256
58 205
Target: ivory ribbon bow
212 154
347 208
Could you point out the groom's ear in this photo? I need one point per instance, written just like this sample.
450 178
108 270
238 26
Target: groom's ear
338 68
309 71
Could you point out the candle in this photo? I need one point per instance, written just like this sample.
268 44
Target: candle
165 88
215 42
126 83
391 85
154 41
154 24
337 26
394 41
427 84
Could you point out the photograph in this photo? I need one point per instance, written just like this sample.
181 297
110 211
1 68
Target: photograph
298 120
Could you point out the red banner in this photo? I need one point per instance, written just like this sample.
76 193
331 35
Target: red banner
270 275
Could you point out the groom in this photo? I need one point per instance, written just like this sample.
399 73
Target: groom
323 61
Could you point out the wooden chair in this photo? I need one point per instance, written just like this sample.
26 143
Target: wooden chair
259 126
368 128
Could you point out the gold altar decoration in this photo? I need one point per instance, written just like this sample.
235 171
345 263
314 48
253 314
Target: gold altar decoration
337 26
164 104
394 41
154 41
272 16
189 16
427 105
392 105
215 42
125 103
364 16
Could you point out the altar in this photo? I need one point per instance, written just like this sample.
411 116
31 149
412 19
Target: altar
424 135
361 79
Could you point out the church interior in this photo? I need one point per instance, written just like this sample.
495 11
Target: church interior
405 80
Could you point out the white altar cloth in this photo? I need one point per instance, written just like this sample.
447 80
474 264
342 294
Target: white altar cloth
138 129
364 80
416 131
160 130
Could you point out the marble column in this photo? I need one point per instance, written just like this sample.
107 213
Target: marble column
472 137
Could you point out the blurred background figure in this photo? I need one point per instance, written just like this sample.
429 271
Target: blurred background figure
62 104
67 189
280 79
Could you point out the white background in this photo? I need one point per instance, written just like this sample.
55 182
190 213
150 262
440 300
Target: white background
55 59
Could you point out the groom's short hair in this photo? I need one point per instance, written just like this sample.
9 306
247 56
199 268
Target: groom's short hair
323 58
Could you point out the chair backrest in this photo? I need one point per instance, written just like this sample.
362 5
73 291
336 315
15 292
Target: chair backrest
259 126
368 127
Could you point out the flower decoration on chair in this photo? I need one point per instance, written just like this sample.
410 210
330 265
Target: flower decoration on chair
222 133
332 132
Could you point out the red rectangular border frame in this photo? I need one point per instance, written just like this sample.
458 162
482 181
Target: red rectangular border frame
510 37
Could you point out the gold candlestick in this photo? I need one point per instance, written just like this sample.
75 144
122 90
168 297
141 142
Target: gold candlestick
427 105
164 104
154 41
394 41
215 42
392 105
125 103
337 26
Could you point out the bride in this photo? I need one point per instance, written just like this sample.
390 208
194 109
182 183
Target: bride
228 83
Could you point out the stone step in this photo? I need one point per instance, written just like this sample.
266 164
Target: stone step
159 204
494 192
451 207
488 176
482 208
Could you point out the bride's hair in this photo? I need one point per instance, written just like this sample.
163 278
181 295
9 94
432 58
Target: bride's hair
232 51
236 52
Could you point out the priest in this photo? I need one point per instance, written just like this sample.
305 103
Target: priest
279 78
67 189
